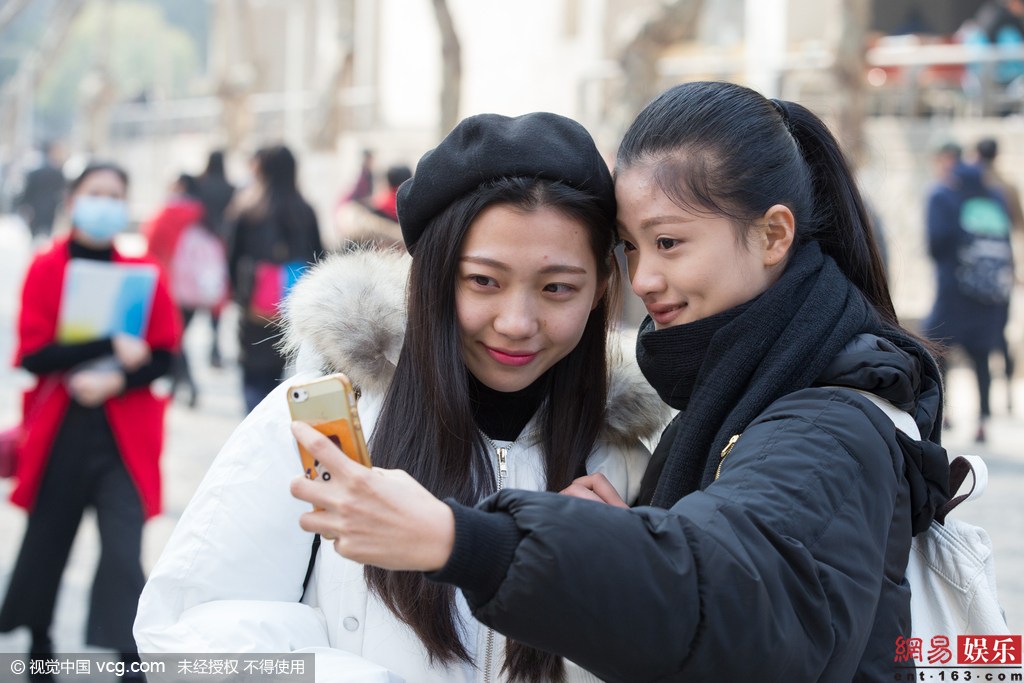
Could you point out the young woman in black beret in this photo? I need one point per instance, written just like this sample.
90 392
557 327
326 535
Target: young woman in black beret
491 370
778 510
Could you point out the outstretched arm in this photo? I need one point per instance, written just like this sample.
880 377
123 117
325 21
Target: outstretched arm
773 572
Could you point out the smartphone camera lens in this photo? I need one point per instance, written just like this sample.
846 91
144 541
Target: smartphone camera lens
299 395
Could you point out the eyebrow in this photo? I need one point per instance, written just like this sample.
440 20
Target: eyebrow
654 221
554 268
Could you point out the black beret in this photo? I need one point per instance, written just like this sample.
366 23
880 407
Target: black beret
487 147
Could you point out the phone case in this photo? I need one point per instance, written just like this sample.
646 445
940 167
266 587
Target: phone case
329 405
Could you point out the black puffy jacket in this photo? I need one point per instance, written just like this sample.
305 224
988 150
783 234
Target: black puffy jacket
789 567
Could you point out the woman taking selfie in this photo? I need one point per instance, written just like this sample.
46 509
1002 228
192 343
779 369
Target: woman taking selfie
498 379
93 428
780 502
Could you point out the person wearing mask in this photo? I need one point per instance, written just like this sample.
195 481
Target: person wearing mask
482 365
271 240
94 430
776 516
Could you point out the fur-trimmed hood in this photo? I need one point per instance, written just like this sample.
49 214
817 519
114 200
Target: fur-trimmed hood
347 314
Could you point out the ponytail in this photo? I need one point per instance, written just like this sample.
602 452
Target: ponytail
840 222
724 149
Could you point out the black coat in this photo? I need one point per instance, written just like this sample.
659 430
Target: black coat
789 567
279 234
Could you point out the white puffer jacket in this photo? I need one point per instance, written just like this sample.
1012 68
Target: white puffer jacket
230 578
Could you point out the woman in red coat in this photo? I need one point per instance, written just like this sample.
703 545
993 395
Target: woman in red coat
94 430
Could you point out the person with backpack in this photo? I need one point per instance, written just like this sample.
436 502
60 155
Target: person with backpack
216 193
272 238
193 258
968 232
775 520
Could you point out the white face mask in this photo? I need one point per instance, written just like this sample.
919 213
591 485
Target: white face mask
100 218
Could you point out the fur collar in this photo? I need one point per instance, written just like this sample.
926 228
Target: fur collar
347 314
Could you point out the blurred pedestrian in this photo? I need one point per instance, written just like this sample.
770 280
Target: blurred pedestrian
216 193
93 436
987 150
43 192
182 211
273 237
363 187
374 221
1001 23
968 232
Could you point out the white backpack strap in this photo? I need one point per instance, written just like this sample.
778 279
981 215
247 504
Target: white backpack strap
901 418
959 467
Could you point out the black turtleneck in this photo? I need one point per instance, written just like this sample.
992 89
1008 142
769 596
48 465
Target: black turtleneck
57 357
502 415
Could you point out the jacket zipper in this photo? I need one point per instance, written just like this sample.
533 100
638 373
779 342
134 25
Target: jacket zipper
725 451
502 455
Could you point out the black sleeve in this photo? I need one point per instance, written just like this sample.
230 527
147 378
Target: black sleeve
485 544
159 365
781 555
58 357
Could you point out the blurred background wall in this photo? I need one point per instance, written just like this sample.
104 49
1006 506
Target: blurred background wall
158 83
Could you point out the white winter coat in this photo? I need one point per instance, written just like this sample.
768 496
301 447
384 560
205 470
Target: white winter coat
230 578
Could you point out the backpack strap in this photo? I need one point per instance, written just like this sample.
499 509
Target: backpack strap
901 418
312 563
959 467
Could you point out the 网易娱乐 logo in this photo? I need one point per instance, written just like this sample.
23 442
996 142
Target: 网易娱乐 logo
965 659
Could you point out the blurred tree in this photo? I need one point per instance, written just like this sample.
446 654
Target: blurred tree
670 22
451 67
125 50
9 11
848 36
328 119
19 89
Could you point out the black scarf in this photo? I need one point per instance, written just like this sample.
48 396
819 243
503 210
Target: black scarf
779 343
670 359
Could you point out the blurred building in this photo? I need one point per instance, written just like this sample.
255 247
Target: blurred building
332 77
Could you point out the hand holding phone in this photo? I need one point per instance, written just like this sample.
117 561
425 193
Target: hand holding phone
328 404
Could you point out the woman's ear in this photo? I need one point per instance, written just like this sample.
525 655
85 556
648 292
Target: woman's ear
779 233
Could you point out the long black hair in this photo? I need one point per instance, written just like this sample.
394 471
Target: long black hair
95 167
280 201
426 425
724 149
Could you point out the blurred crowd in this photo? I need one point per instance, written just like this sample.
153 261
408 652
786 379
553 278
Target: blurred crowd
218 243
973 222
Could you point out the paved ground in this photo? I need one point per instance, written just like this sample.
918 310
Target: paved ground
194 437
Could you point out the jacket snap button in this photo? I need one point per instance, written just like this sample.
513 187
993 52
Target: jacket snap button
350 623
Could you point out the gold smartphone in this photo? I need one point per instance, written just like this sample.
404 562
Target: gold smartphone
329 405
